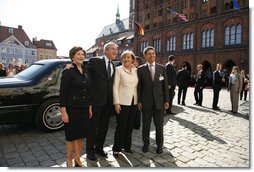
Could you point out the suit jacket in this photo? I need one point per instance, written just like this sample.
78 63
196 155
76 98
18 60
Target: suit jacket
125 86
152 93
200 80
171 73
217 80
75 88
183 78
102 86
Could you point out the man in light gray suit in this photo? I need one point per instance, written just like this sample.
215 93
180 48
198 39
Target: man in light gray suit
152 97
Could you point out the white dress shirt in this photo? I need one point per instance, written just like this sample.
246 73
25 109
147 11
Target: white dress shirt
106 62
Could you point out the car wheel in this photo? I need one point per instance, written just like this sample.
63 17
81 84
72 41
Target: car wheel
48 117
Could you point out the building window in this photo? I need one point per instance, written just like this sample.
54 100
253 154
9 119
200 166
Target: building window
239 34
208 38
227 35
143 45
205 0
10 30
188 41
26 43
233 35
171 43
49 44
157 45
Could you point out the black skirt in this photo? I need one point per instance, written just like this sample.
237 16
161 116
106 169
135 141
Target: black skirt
77 128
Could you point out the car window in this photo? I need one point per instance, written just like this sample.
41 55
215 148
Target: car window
29 72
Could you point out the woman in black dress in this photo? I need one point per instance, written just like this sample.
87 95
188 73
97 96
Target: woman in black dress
75 106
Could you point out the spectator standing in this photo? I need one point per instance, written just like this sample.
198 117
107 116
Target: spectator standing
183 80
217 83
2 70
235 86
125 100
75 106
152 97
10 70
244 90
199 85
171 74
102 71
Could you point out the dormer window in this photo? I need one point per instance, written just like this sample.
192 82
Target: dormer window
10 30
26 43
48 44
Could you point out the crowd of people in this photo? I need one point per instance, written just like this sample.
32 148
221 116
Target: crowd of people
11 69
136 93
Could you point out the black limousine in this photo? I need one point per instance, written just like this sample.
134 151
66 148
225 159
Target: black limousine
33 95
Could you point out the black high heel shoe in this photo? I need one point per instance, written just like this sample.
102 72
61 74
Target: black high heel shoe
77 164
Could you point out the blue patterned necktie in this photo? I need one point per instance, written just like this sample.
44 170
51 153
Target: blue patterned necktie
109 69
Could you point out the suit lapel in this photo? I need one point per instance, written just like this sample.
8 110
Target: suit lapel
156 75
147 70
103 67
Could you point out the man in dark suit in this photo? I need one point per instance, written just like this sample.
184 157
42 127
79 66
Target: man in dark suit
217 82
183 80
152 97
171 73
199 85
101 71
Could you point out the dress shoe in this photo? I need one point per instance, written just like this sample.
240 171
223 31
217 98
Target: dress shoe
145 148
102 153
183 104
159 150
216 108
128 151
170 113
77 164
195 104
116 154
91 157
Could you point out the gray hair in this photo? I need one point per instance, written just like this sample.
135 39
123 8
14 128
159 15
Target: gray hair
107 45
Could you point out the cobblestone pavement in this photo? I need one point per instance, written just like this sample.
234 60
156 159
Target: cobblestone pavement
194 137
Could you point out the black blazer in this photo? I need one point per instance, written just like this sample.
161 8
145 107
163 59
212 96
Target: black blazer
102 86
75 88
217 80
150 92
200 79
171 73
183 78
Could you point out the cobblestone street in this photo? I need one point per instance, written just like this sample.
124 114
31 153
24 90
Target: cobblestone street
194 137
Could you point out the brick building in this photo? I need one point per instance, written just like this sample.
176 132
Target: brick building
117 32
214 33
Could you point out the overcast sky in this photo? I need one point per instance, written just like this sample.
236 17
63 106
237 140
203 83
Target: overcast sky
66 22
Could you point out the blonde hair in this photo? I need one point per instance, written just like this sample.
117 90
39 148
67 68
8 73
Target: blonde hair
236 68
126 52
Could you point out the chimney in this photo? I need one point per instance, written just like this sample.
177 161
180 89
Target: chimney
19 27
34 39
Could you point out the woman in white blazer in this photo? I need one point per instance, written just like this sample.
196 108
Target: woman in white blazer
125 100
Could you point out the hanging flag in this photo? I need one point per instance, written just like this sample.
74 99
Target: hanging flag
236 5
140 29
182 16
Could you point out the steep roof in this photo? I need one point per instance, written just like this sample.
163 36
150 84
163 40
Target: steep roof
19 33
118 26
45 44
